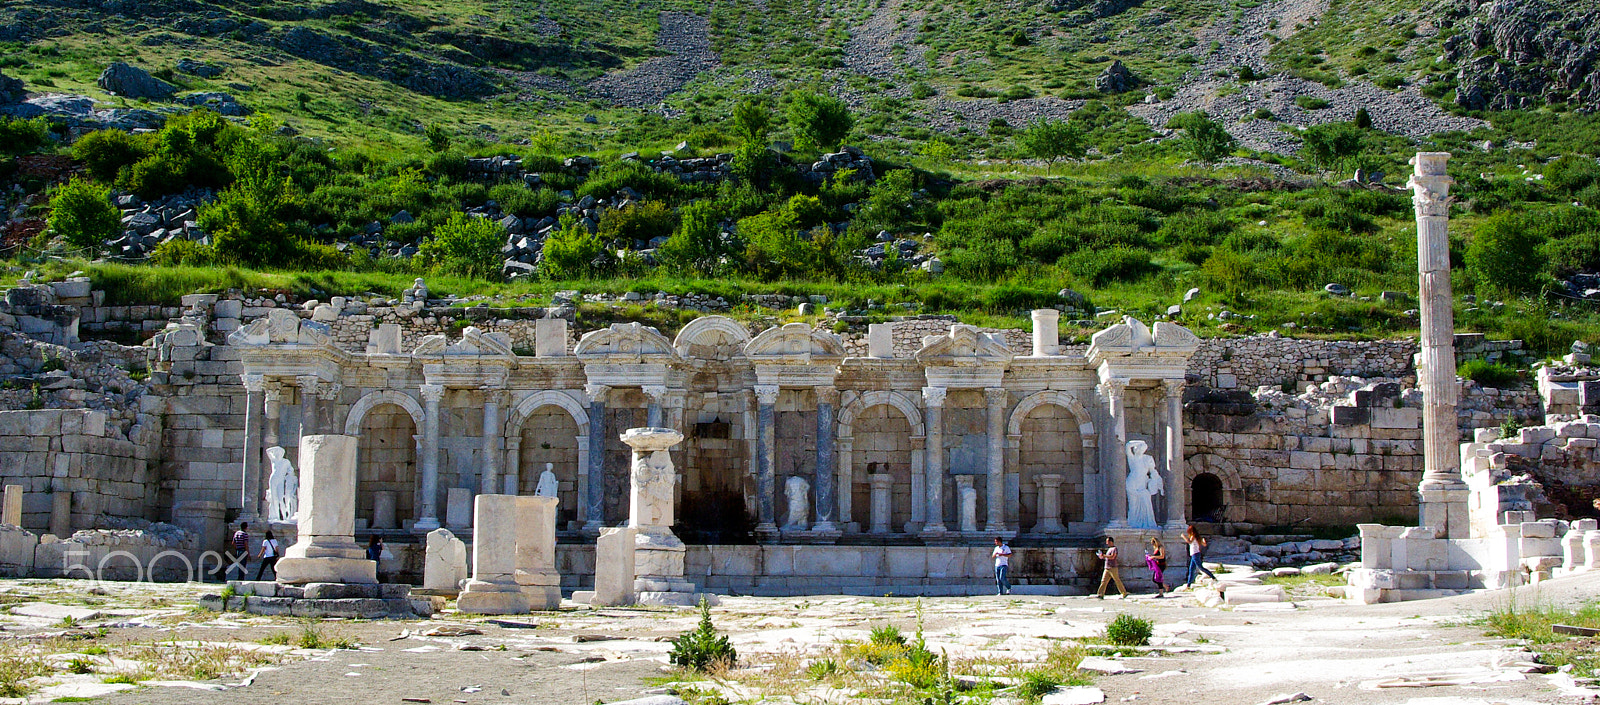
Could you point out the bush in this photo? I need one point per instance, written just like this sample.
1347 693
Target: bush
1329 145
610 178
752 121
1128 630
637 223
571 251
524 202
466 246
438 139
1204 138
1307 102
1102 267
1051 140
1488 374
702 649
1506 255
887 635
23 136
817 121
697 244
185 253
1363 119
108 152
921 90
84 216
1571 173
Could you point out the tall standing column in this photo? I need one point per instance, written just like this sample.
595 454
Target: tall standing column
766 479
597 456
273 407
429 516
490 483
250 482
308 386
511 479
827 399
997 399
1441 486
1115 392
933 399
1177 487
656 394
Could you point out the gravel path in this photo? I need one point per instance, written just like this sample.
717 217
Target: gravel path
686 38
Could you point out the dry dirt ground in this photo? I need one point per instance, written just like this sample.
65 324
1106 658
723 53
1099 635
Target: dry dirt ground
1332 651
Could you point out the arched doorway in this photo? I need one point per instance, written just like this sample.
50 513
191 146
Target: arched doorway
1206 502
387 462
550 438
1050 445
882 445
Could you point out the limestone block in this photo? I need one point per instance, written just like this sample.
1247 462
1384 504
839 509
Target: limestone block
880 340
444 565
11 511
550 337
1538 529
1407 418
614 567
325 549
385 339
383 510
458 508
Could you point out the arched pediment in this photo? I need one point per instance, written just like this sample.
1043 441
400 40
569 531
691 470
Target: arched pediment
965 345
626 340
718 337
359 410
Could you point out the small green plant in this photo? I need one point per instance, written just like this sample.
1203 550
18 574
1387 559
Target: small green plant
702 649
1307 102
80 666
1036 684
310 638
275 639
887 635
822 669
229 593
344 643
95 651
68 622
120 678
1488 374
1128 630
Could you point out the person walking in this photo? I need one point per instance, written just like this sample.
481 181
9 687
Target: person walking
1002 567
270 552
1156 558
1197 555
239 557
1110 575
375 550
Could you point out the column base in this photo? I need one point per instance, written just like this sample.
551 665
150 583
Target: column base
1047 529
767 532
481 597
298 571
676 599
814 535
424 525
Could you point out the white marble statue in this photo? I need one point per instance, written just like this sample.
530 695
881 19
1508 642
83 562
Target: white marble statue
798 491
1144 483
653 476
283 489
548 485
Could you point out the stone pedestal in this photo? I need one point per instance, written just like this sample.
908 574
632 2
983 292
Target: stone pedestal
658 554
326 550
614 567
536 552
1048 504
458 508
881 482
513 556
383 510
444 565
1591 542
206 519
61 513
967 503
1046 332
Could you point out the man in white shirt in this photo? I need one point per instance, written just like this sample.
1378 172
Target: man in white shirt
1002 566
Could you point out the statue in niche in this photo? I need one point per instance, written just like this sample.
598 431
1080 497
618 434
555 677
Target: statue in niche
798 491
548 485
1143 484
283 489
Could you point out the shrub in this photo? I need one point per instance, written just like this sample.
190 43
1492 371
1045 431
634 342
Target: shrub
612 177
887 635
1488 374
1330 145
438 139
1051 140
1205 139
1194 227
921 90
186 253
23 136
524 202
1104 266
571 251
817 121
108 152
1128 630
752 121
697 244
465 246
1505 255
702 649
984 259
1307 102
1363 119
84 216
639 222
1571 173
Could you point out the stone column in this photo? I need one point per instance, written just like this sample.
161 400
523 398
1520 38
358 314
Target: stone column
845 486
308 385
327 401
659 554
273 407
656 393
1046 332
996 493
490 482
1177 487
1444 495
881 483
824 486
428 517
1115 392
919 476
766 440
493 588
933 399
595 501
250 491
1048 503
325 549
512 482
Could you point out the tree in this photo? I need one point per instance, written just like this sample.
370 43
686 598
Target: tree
246 221
1051 140
752 121
466 246
697 245
1506 255
84 216
1205 139
817 121
1363 119
1329 145
438 138
570 251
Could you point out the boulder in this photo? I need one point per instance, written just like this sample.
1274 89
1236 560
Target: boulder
11 90
196 68
1116 79
133 82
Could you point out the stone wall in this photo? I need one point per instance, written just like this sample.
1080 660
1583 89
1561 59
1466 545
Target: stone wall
76 453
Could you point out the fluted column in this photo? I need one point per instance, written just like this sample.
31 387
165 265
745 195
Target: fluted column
1115 392
827 400
933 399
656 394
766 480
1444 495
308 387
250 490
512 481
595 502
429 516
490 482
996 399
1177 487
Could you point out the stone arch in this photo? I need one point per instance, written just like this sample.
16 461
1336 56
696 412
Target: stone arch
1058 398
1233 495
901 402
359 410
735 331
547 397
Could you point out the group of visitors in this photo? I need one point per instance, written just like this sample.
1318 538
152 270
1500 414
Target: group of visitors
1155 558
239 553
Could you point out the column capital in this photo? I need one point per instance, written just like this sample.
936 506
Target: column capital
1114 388
329 391
827 395
656 392
253 383
308 384
1173 387
432 393
766 393
996 396
494 394
933 396
596 392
